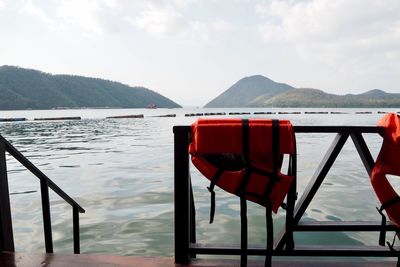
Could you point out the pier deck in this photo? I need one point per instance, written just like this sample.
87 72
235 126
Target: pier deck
101 260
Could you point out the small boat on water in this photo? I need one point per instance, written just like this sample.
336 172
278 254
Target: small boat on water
152 106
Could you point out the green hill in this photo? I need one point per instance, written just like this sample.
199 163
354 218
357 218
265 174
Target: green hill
305 97
31 89
259 91
243 93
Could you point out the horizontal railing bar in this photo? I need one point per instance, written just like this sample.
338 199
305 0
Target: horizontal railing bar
337 129
33 169
323 129
315 250
351 226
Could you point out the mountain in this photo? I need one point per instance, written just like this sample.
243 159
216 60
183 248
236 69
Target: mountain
31 89
375 93
246 90
259 91
306 97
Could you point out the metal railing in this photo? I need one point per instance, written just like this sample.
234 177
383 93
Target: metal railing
6 229
284 245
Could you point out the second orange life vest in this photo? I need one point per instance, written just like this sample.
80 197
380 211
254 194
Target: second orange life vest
388 162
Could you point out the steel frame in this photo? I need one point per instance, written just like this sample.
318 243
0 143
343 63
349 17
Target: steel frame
185 228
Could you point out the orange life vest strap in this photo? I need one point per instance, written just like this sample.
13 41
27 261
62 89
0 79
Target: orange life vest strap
245 153
274 178
211 190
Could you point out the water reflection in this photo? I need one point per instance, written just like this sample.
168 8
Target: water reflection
121 172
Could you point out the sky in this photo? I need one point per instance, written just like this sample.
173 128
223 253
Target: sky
193 50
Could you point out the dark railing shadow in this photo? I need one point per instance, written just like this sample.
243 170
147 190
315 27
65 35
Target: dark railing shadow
185 230
6 229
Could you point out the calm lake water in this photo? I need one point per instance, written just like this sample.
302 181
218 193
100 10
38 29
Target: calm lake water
121 172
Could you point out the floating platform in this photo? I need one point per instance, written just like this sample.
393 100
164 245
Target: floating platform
126 117
338 112
164 116
96 260
239 113
12 119
289 112
264 112
57 119
193 114
214 113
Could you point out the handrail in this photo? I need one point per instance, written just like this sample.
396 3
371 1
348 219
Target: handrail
6 232
337 129
316 129
185 248
38 173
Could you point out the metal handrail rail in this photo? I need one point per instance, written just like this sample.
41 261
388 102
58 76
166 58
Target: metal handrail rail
6 232
38 173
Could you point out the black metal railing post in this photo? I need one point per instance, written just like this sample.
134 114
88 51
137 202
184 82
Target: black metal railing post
291 202
6 229
75 226
192 221
48 236
181 195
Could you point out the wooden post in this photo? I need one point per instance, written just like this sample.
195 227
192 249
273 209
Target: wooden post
6 230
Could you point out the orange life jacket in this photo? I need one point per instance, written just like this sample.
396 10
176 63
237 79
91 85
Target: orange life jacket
244 157
388 162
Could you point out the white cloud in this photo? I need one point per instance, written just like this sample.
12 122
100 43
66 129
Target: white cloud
183 3
334 31
2 4
31 9
83 14
221 25
159 21
159 18
162 19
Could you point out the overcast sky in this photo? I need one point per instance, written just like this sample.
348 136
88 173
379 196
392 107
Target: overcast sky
193 50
